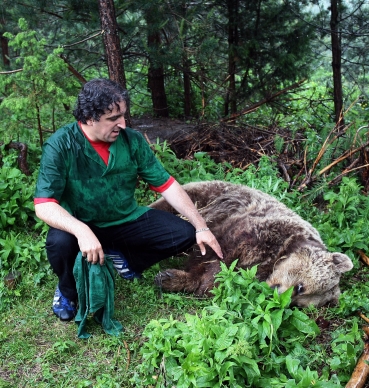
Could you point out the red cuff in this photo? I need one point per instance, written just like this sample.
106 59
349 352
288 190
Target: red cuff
37 201
163 187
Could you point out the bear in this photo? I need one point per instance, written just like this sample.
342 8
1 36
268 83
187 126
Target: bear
256 229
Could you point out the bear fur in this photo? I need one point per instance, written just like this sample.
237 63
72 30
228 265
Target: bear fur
257 229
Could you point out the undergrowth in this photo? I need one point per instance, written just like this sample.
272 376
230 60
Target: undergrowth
246 333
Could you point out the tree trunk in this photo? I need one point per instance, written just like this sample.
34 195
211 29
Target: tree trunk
187 87
231 103
112 45
155 77
336 63
4 46
5 51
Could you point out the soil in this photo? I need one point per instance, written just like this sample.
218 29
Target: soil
161 128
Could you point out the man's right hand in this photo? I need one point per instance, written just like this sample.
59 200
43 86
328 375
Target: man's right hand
54 215
90 247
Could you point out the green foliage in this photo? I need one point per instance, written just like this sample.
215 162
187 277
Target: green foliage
21 234
344 225
237 341
264 177
34 98
248 333
16 197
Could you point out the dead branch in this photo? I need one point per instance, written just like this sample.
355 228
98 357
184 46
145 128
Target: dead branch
262 102
11 71
22 157
361 371
285 173
128 354
361 315
328 141
78 75
241 145
83 40
345 172
364 258
347 154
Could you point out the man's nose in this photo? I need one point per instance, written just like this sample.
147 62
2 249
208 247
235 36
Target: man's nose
122 123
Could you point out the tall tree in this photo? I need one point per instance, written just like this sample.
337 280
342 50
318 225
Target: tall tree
113 50
336 6
348 32
155 76
230 105
110 32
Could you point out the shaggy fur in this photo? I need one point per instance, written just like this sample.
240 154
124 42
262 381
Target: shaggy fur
255 228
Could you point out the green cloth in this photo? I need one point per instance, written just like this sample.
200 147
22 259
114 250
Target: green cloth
74 174
95 287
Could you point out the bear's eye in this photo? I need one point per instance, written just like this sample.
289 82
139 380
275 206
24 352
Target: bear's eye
299 289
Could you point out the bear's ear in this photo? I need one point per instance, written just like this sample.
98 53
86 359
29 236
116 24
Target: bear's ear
343 262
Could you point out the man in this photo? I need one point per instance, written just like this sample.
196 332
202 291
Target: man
85 193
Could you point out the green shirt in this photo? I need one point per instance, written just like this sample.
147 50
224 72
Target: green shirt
73 173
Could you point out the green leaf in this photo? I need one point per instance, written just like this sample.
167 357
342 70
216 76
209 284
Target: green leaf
285 297
303 323
292 366
226 339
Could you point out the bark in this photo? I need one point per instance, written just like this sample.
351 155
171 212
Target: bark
4 46
156 80
231 103
5 51
111 41
336 63
187 88
113 51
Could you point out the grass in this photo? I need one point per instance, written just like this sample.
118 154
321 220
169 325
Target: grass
38 350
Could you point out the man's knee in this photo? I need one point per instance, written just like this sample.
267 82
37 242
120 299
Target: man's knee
60 240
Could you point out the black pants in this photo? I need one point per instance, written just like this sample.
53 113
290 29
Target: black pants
154 236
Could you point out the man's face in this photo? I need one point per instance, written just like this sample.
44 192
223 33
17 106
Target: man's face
109 126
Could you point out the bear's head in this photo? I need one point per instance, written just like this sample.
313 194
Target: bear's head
313 273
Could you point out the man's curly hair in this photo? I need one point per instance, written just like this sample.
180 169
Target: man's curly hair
97 97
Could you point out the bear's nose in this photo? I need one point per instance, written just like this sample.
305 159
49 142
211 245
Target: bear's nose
273 286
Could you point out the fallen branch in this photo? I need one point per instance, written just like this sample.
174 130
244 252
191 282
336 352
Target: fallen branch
128 354
363 257
337 178
345 155
309 178
361 371
328 141
361 315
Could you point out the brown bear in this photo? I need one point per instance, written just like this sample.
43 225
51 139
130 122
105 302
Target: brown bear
257 229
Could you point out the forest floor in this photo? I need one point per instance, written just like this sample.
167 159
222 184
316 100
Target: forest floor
161 128
242 145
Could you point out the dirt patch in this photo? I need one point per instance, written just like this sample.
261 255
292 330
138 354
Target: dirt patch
160 127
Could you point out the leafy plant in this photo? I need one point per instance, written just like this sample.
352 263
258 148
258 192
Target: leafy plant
16 198
237 341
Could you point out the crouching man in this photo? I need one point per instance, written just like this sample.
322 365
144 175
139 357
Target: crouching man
85 193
